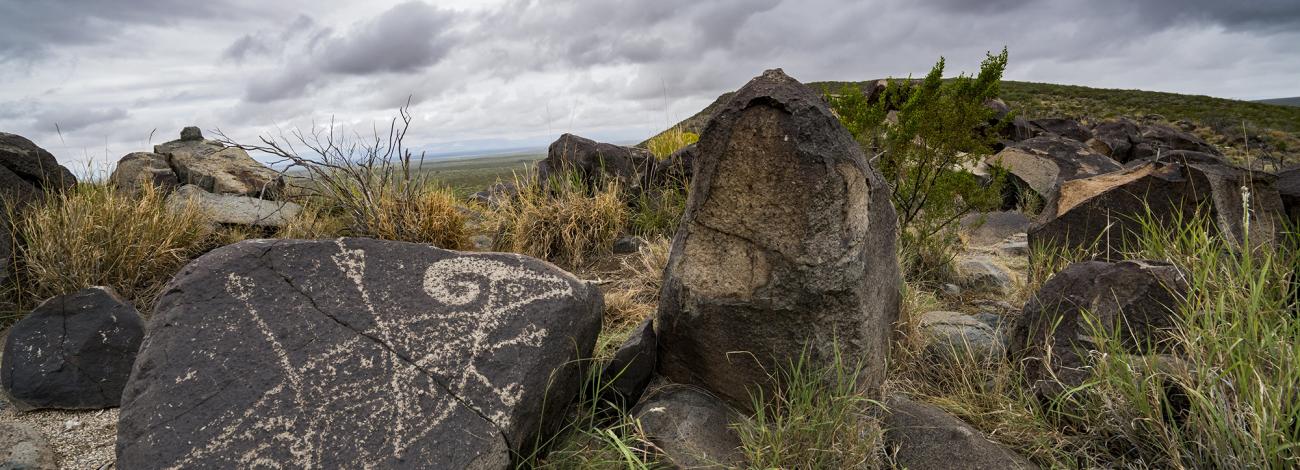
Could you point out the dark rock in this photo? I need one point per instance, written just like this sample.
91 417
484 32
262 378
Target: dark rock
633 365
72 352
1136 300
139 170
1044 162
1115 139
1183 156
1288 187
1014 129
33 164
629 244
1068 128
926 437
780 249
991 228
597 162
23 448
219 169
676 169
191 133
691 427
1165 139
356 352
1105 209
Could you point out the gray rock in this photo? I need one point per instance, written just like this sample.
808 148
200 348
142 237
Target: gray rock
1115 139
138 170
1106 209
1132 299
356 352
218 169
780 249
629 372
73 352
692 427
629 244
23 448
191 133
1047 161
983 273
989 229
1068 128
482 242
235 210
1014 246
926 437
958 336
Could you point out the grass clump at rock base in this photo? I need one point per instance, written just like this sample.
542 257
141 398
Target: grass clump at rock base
559 221
93 235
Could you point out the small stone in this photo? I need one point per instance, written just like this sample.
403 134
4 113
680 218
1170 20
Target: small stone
23 448
71 424
955 335
482 242
921 436
191 133
692 427
984 274
629 244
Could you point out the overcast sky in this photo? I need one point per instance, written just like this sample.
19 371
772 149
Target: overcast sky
495 74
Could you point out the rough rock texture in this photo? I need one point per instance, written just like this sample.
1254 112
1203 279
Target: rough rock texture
989 229
1126 141
595 161
1135 299
1068 128
982 273
786 245
23 448
235 210
72 352
355 353
955 335
675 169
33 165
628 244
1288 187
1044 162
1165 139
1105 208
138 170
216 168
692 427
927 437
632 367
1115 139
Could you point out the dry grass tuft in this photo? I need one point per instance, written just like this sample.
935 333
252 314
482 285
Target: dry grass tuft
560 223
670 141
93 235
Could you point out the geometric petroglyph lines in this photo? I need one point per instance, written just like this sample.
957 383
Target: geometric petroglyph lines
478 299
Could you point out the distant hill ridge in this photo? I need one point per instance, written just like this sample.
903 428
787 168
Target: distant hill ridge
1294 101
1271 128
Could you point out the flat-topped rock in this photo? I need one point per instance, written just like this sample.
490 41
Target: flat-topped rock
356 353
216 168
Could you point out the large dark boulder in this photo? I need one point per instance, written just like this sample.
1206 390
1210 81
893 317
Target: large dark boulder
1115 139
693 428
354 353
1126 141
1106 209
216 168
72 352
1068 128
27 173
920 436
1137 301
786 247
1046 161
1288 186
1165 139
595 162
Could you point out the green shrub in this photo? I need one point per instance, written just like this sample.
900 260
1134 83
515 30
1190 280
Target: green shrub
670 141
941 128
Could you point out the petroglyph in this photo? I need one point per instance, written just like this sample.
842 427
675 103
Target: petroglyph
339 355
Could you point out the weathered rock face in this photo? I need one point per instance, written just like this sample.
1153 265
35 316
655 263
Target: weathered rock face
596 161
235 210
1165 139
139 170
633 365
1288 186
1126 141
215 168
786 245
691 427
989 229
356 353
32 164
1135 299
983 273
927 437
1115 139
676 168
1068 128
1104 209
958 336
1044 162
72 352
23 448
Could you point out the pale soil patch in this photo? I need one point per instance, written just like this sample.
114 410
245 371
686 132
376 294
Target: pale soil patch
80 439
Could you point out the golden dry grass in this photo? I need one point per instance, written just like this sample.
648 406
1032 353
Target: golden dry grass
560 223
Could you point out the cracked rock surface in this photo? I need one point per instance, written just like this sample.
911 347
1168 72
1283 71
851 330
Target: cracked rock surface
356 353
73 352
